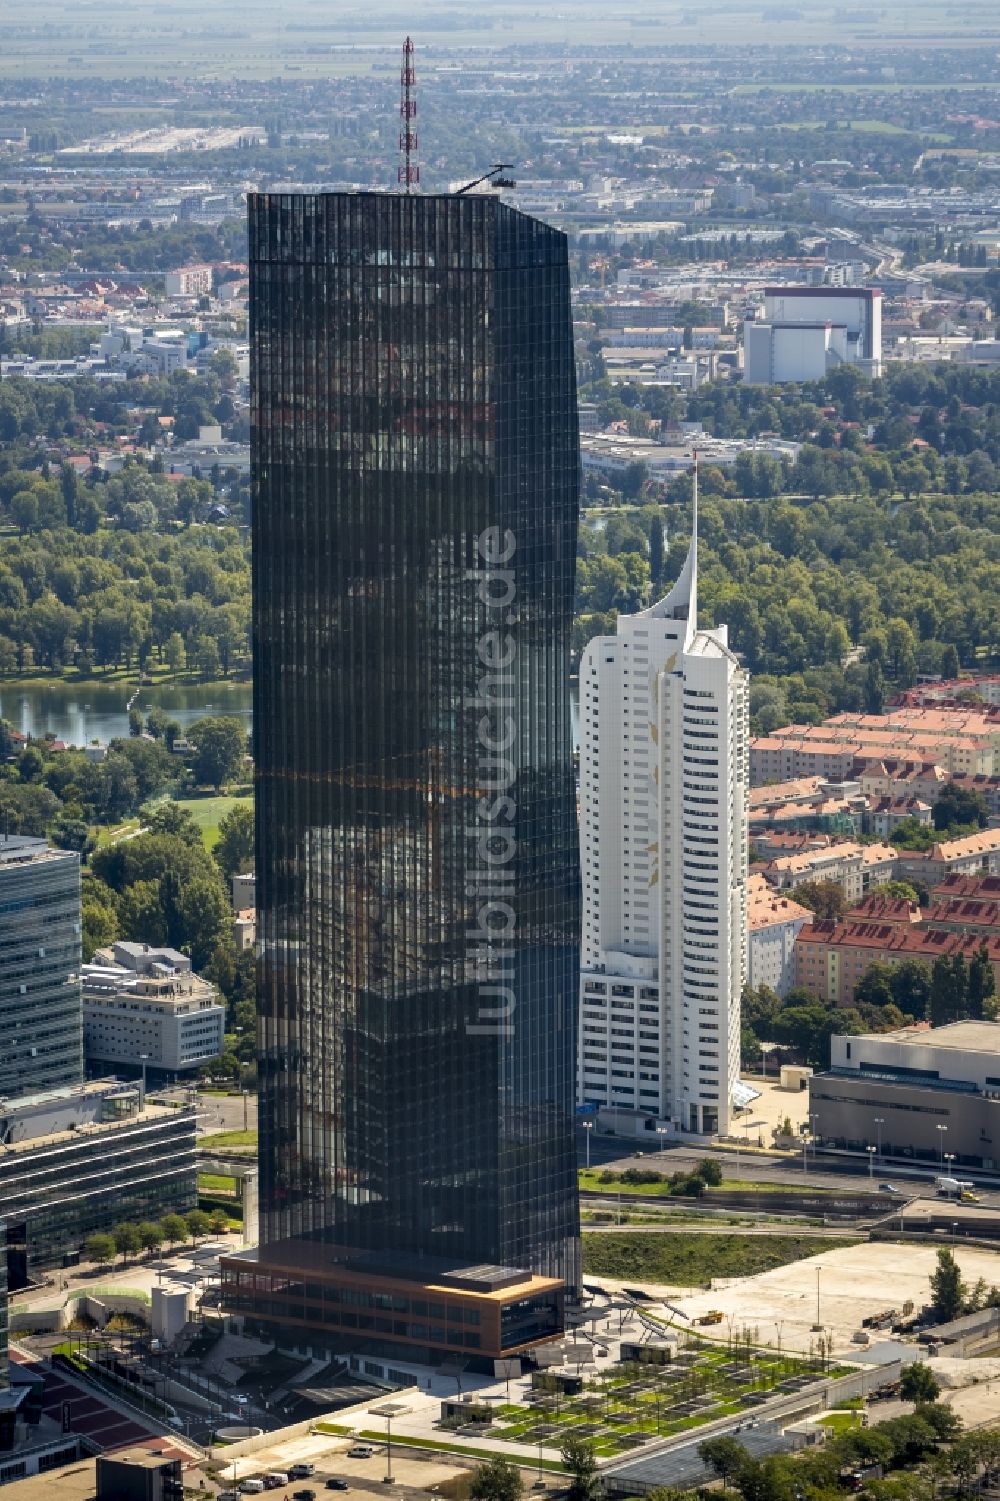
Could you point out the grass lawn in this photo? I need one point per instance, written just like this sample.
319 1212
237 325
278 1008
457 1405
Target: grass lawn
236 1143
208 812
126 830
841 1422
693 1260
216 1183
590 1179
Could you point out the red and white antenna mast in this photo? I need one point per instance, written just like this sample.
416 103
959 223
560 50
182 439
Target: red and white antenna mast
408 172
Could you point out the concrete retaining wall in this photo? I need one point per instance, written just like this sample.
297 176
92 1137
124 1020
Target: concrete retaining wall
99 1310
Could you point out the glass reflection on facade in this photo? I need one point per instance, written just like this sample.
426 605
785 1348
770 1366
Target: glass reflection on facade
41 1011
415 512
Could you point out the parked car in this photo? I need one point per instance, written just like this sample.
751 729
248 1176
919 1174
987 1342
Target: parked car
888 1188
306 1495
360 1451
336 1484
300 1471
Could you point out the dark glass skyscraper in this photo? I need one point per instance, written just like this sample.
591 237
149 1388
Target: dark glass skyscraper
415 512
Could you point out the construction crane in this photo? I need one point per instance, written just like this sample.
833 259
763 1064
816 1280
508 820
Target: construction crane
494 177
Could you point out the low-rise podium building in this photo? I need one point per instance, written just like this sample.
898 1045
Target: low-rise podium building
932 1094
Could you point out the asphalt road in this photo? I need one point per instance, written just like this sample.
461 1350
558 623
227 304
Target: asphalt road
803 1232
768 1167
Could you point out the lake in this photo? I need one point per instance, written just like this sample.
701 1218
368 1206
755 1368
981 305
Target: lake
83 712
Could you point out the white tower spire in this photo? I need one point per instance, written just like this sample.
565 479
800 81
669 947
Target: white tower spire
681 602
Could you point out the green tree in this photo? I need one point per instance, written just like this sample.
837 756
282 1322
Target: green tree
825 898
948 1291
127 1239
724 1456
770 1479
220 745
99 917
203 916
950 665
918 1383
219 1222
911 987
949 981
580 1460
173 652
980 987
24 510
959 806
875 986
99 1248
174 1229
656 546
171 818
198 1223
496 1480
151 1235
234 851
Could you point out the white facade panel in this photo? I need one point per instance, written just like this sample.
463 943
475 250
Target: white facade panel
663 817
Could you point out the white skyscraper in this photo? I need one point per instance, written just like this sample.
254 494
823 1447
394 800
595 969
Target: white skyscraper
663 837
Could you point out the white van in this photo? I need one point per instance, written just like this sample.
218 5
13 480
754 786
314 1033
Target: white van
251 1487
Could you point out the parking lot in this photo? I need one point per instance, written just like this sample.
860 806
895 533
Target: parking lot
329 1455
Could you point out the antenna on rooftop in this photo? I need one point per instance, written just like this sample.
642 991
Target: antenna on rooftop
408 173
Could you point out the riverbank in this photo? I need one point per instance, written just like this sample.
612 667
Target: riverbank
119 677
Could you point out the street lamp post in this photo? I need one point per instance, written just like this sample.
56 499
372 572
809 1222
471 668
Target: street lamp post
819 1324
949 1158
388 1446
588 1126
662 1131
941 1130
871 1162
879 1123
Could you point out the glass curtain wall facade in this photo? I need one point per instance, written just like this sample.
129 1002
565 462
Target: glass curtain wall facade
415 513
41 1010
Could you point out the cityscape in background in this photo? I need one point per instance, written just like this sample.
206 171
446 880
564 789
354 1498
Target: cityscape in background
499 753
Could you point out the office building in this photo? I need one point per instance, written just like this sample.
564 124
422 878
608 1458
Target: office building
929 1094
415 512
663 820
355 1299
144 1005
805 332
84 1159
40 1016
139 1475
